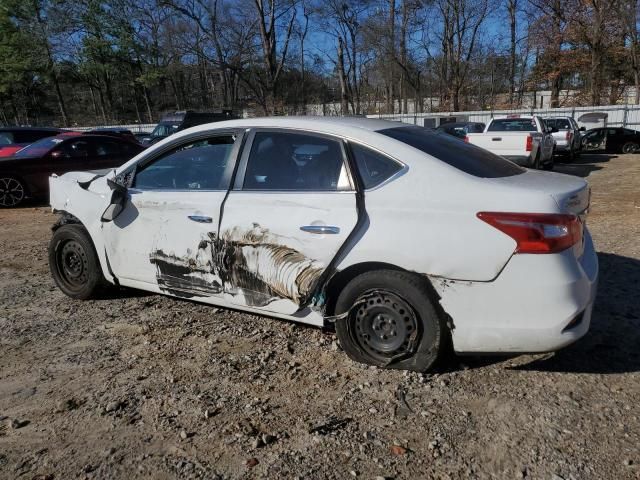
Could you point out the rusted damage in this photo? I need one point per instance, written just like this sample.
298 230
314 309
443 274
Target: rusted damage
253 263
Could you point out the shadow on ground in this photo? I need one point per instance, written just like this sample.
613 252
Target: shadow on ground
583 166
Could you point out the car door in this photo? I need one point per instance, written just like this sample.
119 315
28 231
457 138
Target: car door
595 140
292 208
164 238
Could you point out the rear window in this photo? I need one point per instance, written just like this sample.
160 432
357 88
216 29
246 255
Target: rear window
466 157
513 125
559 123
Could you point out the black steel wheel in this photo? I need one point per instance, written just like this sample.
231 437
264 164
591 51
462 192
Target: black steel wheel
630 147
385 325
388 318
12 192
74 264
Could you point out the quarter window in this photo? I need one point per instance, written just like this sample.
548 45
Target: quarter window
293 161
199 165
374 167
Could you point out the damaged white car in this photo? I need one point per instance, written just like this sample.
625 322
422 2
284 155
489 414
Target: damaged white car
408 240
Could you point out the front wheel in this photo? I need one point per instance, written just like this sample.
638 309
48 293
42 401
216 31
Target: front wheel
12 192
630 147
391 321
74 263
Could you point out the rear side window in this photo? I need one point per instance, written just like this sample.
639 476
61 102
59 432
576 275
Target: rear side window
559 123
466 157
513 125
6 138
374 167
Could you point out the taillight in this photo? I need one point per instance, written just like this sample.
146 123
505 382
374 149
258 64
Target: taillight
529 143
466 139
567 137
537 232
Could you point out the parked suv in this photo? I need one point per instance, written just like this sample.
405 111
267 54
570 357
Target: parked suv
566 136
177 121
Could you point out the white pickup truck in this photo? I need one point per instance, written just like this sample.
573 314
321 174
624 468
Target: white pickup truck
526 141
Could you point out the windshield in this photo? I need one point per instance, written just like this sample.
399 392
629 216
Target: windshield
513 125
165 129
470 159
39 148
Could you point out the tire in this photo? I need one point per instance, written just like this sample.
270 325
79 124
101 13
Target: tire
549 165
536 162
630 147
393 321
74 263
12 192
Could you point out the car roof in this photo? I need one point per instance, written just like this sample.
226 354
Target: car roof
31 129
327 124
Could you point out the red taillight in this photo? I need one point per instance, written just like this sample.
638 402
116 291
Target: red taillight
568 136
466 139
537 232
529 143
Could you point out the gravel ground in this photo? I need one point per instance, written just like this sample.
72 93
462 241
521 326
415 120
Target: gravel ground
144 386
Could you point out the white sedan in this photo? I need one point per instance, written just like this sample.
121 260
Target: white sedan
409 241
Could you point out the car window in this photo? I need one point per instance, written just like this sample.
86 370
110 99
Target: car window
198 165
513 125
79 148
40 147
106 148
612 131
374 167
294 161
468 158
629 132
559 123
6 138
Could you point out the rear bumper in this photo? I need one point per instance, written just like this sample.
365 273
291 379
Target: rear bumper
539 303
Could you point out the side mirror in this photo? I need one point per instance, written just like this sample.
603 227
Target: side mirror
583 129
118 201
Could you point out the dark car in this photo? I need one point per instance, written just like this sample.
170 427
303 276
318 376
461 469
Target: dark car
124 133
460 129
612 140
26 174
174 122
13 139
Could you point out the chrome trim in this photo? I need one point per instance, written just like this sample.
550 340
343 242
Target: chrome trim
320 229
200 219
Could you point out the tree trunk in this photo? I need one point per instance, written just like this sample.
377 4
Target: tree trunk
344 98
512 6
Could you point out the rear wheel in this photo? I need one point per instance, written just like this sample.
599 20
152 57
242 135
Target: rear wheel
12 192
74 263
391 321
630 147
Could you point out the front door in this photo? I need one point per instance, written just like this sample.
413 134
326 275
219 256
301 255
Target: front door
166 233
595 141
292 207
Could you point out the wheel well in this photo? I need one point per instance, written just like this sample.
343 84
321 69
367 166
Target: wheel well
65 218
340 280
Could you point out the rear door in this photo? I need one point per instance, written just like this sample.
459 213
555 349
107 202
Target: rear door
292 207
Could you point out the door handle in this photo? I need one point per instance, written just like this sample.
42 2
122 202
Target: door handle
200 219
320 229
496 139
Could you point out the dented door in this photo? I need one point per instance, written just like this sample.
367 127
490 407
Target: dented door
167 232
292 207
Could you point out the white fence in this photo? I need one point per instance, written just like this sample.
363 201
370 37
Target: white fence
617 115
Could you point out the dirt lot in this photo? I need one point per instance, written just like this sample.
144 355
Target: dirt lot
145 386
